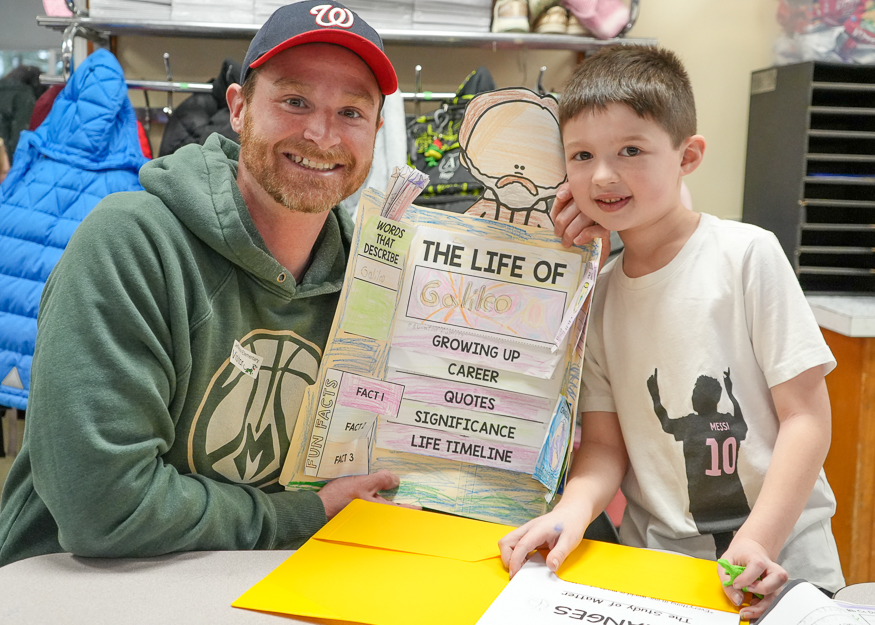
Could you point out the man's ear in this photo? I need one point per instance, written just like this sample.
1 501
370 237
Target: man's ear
692 154
237 106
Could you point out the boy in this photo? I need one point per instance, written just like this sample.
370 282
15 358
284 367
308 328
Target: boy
698 317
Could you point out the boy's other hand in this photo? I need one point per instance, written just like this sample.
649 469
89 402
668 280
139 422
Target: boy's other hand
761 575
560 531
573 226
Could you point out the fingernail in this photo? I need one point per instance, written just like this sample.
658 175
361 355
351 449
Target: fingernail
737 598
744 615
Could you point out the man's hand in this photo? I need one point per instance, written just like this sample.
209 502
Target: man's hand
336 494
758 564
560 531
573 226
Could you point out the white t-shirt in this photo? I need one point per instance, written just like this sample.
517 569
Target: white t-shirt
726 318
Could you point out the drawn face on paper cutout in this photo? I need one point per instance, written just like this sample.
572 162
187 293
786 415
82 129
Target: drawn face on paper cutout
511 143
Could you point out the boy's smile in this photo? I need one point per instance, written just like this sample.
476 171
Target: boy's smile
623 170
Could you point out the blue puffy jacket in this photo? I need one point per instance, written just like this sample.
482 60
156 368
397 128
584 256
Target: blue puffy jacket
85 149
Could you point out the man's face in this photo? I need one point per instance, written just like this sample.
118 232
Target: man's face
308 129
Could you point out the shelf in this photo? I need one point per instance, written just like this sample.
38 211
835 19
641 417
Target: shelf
841 158
840 110
842 86
842 134
839 203
867 180
833 249
494 41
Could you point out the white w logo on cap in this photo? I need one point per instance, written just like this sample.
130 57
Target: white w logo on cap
328 15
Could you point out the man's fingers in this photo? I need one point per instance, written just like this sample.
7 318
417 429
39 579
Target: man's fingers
381 480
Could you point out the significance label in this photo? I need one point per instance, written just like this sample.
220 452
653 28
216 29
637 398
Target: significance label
470 423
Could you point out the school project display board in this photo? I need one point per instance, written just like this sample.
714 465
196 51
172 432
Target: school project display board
455 355
440 365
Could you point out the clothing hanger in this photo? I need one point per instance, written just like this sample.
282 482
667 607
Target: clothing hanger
419 95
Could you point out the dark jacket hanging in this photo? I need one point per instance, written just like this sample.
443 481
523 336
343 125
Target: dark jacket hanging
202 114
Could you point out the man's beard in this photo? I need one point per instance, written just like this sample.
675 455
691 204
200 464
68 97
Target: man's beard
302 194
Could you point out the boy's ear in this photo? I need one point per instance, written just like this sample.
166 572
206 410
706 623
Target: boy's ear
693 151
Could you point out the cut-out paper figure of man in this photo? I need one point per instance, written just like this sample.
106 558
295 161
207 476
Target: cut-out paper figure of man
511 143
711 441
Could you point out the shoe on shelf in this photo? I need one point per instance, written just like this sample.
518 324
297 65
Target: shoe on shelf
537 8
553 22
510 16
603 18
574 27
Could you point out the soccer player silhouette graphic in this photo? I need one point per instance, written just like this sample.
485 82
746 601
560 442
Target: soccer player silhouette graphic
711 443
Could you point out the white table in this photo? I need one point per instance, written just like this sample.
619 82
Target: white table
191 588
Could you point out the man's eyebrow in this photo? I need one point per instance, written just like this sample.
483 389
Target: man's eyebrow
360 97
290 83
363 97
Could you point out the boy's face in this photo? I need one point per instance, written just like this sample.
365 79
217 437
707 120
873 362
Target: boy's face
623 171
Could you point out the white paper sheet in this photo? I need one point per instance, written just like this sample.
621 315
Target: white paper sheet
536 595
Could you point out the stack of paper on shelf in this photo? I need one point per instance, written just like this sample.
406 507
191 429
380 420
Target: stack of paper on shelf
263 9
216 11
132 9
452 15
384 14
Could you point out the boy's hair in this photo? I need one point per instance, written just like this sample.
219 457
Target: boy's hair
651 81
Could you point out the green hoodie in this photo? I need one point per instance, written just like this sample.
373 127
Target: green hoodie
142 437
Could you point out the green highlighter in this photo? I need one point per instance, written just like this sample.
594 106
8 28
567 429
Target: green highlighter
733 571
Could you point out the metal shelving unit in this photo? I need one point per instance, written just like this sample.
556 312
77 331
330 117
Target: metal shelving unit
810 174
495 41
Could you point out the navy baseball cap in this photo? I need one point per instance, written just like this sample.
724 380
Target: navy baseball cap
320 21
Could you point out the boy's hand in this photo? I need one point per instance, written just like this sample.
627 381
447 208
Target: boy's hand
574 227
761 575
559 530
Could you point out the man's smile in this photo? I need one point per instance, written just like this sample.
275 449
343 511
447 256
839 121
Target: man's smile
311 164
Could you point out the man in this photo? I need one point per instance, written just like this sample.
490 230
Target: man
182 325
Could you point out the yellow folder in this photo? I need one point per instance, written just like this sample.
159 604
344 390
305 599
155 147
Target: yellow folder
385 565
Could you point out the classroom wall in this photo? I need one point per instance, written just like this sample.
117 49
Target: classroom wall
720 41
